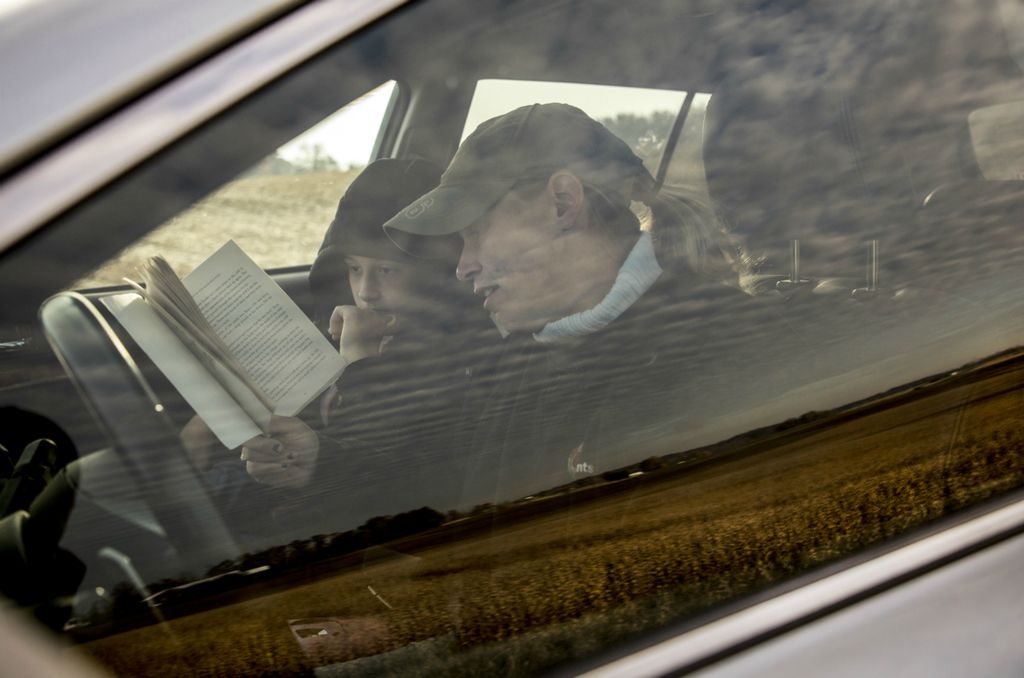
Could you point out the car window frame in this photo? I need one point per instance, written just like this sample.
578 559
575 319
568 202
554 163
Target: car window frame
82 166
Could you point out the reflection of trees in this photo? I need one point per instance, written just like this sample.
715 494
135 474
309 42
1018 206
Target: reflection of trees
124 599
127 606
652 464
982 464
375 531
482 509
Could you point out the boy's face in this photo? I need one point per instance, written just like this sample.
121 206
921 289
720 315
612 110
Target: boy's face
402 289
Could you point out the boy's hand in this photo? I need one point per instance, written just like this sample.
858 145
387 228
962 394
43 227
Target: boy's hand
361 332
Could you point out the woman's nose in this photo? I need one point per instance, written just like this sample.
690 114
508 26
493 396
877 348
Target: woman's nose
469 265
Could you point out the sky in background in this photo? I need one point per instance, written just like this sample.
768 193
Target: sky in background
347 136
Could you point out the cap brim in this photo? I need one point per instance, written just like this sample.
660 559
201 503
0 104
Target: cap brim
444 211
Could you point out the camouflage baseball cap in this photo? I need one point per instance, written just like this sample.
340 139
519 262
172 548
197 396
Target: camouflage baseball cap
530 142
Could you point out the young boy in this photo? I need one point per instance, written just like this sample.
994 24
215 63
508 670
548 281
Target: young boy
410 335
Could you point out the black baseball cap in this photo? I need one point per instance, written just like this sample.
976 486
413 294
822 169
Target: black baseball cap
379 191
530 142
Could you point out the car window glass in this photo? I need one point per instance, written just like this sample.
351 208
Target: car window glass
995 134
573 413
642 116
276 210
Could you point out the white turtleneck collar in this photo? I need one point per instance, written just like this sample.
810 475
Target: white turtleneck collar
637 274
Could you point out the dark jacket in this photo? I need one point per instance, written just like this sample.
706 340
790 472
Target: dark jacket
385 446
477 425
553 413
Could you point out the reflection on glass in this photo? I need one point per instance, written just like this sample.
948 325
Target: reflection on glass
997 133
736 437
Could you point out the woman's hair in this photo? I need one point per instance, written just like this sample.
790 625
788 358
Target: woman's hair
686 232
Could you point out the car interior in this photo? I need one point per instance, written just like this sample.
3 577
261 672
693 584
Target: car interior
860 153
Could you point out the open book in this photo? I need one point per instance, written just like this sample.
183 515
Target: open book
232 342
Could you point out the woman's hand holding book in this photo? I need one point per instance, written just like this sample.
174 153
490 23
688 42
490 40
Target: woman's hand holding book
284 458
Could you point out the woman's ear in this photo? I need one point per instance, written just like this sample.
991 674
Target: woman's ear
566 192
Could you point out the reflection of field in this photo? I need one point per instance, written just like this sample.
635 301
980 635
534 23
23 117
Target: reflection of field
278 220
570 582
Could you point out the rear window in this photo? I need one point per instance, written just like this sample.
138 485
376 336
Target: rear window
642 117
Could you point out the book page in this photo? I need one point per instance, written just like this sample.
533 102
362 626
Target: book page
166 295
211 401
269 335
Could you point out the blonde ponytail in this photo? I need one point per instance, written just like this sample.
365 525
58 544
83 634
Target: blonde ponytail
688 234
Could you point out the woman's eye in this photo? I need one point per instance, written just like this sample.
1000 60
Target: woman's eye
352 268
386 270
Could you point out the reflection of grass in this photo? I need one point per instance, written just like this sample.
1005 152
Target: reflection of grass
570 582
278 220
